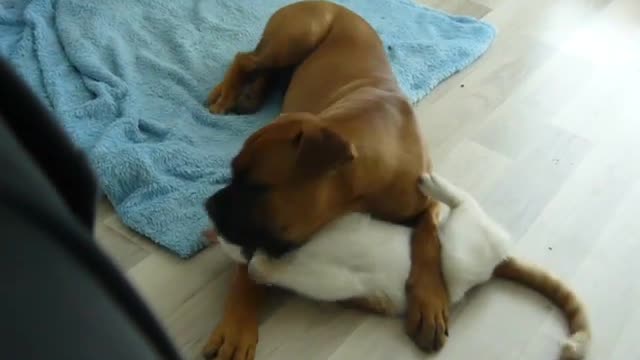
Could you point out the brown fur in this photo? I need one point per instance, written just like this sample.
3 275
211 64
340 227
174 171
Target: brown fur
536 279
557 292
347 140
241 311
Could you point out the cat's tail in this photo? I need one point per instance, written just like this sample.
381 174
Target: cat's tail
441 189
557 292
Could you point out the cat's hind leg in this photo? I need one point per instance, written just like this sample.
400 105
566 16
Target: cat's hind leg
442 190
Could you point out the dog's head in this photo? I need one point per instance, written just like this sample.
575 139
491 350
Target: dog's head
288 180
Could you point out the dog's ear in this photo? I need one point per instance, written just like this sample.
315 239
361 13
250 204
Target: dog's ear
320 149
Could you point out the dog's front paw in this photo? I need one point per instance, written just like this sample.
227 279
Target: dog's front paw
260 268
427 314
234 338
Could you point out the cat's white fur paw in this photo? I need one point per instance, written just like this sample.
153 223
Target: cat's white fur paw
426 183
260 268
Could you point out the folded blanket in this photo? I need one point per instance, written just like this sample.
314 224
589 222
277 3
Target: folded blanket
128 79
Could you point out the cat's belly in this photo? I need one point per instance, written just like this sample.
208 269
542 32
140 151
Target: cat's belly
373 254
357 259
386 284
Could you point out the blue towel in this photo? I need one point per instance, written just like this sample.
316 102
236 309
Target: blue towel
128 79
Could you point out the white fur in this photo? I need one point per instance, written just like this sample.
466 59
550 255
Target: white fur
473 244
233 251
357 256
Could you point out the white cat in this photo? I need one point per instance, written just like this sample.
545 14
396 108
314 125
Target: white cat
357 257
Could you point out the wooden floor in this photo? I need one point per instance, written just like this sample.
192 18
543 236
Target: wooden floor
545 131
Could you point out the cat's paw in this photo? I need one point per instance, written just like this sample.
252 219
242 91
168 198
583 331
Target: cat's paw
261 268
426 183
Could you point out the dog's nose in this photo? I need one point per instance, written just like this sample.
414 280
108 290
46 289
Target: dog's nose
213 205
210 206
217 205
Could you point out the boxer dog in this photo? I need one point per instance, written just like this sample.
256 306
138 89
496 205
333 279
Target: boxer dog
347 140
357 257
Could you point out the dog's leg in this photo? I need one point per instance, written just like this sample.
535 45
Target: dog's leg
243 88
236 336
427 297
289 36
254 94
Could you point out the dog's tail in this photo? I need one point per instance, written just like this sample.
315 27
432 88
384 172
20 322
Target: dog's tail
557 292
442 190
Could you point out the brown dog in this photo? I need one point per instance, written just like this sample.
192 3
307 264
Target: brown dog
347 140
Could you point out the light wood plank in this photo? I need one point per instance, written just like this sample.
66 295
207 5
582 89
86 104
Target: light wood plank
305 327
123 251
167 281
460 7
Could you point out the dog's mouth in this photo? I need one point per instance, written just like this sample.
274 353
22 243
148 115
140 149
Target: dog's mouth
243 251
233 222
235 252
